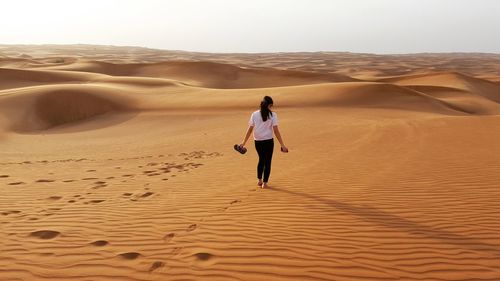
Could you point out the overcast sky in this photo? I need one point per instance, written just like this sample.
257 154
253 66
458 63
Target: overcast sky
370 26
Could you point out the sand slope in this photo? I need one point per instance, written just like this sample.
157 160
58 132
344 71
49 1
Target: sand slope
125 170
460 81
208 74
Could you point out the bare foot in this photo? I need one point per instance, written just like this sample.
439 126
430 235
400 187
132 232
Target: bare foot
265 185
259 183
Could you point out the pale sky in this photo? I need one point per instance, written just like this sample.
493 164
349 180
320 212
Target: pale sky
369 26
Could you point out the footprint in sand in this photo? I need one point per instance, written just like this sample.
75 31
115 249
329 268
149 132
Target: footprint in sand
139 196
95 201
100 243
168 237
99 184
16 183
6 213
68 180
204 259
45 180
165 170
4 176
199 154
45 234
176 250
192 227
156 265
130 255
203 256
126 194
55 198
223 209
146 194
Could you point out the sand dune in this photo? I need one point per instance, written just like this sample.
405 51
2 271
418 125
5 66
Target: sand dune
29 62
363 66
460 81
17 78
209 74
495 79
117 164
44 107
466 101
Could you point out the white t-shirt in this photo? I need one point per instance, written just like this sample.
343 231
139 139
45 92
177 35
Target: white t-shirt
262 130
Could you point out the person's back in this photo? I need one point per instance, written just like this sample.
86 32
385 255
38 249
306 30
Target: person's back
263 130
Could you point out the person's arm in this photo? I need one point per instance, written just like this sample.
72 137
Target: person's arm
278 136
247 135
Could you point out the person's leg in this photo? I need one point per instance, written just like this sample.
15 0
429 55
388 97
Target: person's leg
260 165
268 156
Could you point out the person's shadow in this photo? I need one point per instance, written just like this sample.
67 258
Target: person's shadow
398 223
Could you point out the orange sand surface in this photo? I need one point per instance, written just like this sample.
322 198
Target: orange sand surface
117 164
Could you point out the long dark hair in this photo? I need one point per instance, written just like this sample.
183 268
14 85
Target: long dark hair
264 108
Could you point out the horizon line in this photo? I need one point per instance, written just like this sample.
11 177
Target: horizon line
252 53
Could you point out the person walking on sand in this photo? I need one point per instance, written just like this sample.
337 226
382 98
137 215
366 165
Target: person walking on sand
263 123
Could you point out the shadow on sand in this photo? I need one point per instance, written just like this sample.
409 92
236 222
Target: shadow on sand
398 223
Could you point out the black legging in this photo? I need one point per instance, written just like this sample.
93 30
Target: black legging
265 150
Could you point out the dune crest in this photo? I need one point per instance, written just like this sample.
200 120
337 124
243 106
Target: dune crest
208 74
454 80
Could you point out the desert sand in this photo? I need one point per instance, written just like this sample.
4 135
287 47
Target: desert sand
117 164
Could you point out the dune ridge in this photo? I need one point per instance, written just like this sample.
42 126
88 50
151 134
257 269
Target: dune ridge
488 89
75 96
50 106
208 74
